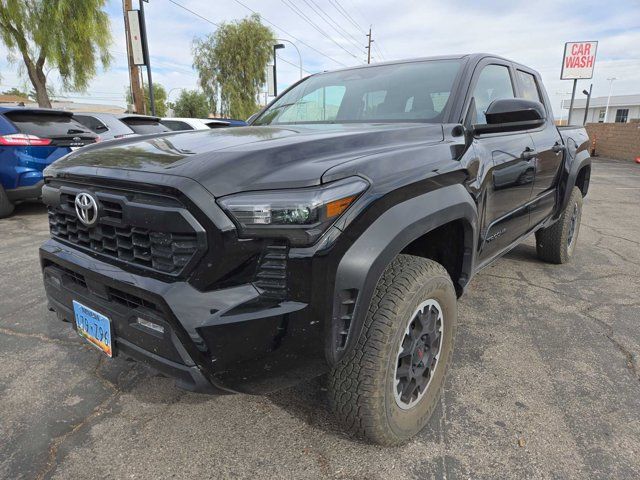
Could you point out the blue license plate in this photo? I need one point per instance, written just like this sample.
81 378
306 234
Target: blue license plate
94 327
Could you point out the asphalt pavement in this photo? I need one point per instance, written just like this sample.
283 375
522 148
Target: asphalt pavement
545 381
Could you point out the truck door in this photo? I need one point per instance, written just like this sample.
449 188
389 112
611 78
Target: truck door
507 159
549 151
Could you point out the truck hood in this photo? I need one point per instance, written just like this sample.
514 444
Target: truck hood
231 160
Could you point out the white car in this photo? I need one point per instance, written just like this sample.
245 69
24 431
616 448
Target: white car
181 123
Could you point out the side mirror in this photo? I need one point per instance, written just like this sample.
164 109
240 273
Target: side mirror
512 114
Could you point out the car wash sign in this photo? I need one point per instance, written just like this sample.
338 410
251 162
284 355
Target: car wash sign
579 60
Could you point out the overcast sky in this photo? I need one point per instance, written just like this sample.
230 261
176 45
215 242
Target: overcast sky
530 32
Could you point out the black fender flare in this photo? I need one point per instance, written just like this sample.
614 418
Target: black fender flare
578 156
364 262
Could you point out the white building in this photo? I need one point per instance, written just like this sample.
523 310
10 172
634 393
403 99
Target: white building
622 109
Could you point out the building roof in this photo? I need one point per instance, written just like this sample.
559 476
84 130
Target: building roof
599 102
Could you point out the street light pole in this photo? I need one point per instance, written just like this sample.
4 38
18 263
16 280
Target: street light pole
586 108
277 46
297 50
606 110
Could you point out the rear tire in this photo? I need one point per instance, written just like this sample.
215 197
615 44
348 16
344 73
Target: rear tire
407 337
557 243
6 207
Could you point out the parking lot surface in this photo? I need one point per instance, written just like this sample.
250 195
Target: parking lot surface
545 381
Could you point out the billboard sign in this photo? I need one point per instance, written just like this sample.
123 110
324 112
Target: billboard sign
579 60
135 37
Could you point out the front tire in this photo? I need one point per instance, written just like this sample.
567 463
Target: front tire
387 386
557 243
6 207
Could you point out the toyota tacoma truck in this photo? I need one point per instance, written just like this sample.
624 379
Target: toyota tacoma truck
332 235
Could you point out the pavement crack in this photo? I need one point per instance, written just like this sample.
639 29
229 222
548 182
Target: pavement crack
58 441
599 231
523 279
37 336
97 412
608 332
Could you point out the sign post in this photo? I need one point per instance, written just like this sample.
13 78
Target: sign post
577 63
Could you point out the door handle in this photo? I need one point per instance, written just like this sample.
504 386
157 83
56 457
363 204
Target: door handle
528 154
558 147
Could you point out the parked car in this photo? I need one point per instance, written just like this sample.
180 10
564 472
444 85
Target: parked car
181 123
107 125
143 124
30 140
333 235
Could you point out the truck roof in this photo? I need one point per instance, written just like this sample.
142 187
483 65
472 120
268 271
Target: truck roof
468 56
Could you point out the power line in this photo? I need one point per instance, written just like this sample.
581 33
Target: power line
343 11
195 13
218 25
333 24
302 15
266 20
346 15
292 36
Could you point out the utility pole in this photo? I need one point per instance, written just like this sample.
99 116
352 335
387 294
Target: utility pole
369 42
145 46
137 94
606 111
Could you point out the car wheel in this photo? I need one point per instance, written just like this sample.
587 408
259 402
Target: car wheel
387 386
6 207
557 243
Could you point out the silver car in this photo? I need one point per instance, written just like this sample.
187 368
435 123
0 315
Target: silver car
107 125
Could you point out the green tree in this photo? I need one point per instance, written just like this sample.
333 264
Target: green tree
159 99
191 103
17 92
231 65
66 35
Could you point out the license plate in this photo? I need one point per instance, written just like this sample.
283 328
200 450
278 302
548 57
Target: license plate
94 327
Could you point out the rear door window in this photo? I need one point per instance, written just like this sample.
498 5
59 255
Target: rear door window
92 123
143 126
176 125
47 125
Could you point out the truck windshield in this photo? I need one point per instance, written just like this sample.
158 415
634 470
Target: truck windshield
404 92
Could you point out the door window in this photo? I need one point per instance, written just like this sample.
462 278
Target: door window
494 83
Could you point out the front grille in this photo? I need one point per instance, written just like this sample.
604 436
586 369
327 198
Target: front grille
141 240
129 300
72 276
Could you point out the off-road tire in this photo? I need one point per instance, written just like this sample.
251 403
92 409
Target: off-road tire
361 385
552 243
6 207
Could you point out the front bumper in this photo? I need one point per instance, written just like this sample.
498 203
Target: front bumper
223 341
31 192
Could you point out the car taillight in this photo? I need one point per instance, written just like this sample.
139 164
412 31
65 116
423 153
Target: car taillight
23 140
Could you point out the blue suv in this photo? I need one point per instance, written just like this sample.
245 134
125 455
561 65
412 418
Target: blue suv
30 140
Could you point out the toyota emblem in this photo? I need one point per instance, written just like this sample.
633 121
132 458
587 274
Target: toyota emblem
86 209
77 139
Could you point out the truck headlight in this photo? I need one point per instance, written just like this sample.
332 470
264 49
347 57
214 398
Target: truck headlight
300 214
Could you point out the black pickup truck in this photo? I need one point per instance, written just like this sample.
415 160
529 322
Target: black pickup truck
332 235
